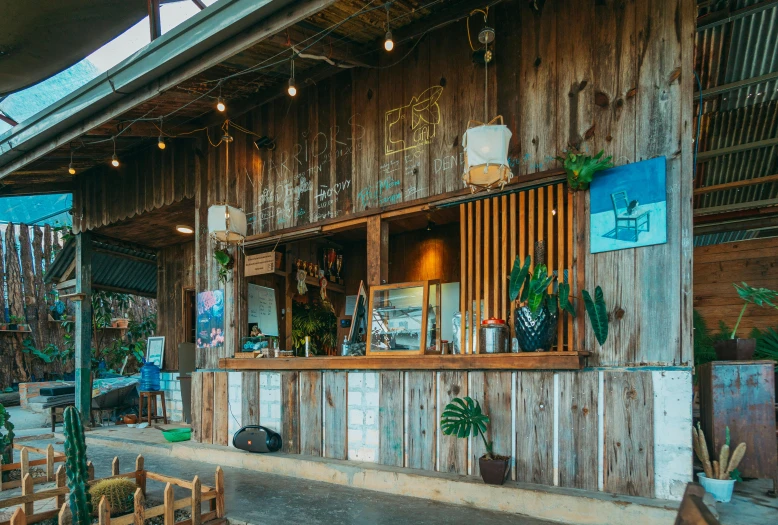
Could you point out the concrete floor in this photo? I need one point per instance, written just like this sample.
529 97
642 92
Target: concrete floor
27 422
750 504
256 498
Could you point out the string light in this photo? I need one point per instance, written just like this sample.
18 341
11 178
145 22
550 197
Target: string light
161 143
291 89
220 105
71 169
114 158
388 42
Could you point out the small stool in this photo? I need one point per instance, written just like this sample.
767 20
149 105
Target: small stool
151 406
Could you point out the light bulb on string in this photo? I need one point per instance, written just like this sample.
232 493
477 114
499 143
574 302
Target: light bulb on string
114 158
220 105
71 169
388 42
161 143
292 90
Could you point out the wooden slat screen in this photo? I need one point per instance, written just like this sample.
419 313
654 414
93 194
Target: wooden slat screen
493 231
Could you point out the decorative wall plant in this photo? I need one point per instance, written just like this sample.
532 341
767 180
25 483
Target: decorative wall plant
225 262
581 168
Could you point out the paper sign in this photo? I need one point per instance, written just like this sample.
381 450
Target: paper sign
260 263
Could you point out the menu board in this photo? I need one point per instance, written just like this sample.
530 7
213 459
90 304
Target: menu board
262 309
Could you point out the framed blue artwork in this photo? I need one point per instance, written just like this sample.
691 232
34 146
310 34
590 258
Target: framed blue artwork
629 206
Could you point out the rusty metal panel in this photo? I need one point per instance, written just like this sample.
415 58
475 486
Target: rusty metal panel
741 395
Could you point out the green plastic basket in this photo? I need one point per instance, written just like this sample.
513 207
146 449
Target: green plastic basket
178 434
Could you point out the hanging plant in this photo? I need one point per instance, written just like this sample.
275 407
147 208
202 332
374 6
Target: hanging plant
225 262
581 168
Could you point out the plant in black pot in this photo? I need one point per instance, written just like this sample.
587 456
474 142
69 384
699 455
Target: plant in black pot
463 418
537 312
734 348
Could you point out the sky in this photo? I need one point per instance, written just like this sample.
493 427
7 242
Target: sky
26 103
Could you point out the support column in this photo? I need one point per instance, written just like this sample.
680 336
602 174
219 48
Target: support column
377 251
84 325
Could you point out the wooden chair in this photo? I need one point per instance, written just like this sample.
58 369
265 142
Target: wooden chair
692 510
636 221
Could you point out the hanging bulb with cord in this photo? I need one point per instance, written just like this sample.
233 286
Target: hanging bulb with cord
292 90
114 158
388 42
220 101
161 141
71 169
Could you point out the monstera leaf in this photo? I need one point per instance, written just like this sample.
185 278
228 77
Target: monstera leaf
598 314
463 418
518 276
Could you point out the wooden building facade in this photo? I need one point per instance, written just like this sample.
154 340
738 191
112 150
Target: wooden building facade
372 155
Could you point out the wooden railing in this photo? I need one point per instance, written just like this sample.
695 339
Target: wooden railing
200 493
24 464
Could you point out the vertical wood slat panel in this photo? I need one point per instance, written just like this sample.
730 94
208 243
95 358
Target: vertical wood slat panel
574 267
535 427
503 278
221 409
484 278
453 450
496 303
422 420
629 433
560 218
197 406
390 419
513 241
336 414
470 280
477 249
290 412
207 408
493 391
250 394
578 429
463 306
311 412
531 211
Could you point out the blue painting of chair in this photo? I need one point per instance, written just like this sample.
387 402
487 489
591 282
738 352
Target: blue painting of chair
629 218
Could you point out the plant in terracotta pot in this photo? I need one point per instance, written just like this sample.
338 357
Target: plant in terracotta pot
17 322
462 418
734 348
581 168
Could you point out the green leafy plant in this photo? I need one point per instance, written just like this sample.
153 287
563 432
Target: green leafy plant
531 289
6 438
48 354
17 319
316 321
225 262
76 468
766 344
763 297
703 341
463 418
581 168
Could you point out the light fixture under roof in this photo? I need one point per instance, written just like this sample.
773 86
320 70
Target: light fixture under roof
182 228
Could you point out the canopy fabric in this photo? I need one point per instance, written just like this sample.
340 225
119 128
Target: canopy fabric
39 39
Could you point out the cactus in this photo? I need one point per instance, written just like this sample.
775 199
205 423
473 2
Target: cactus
76 468
723 468
118 491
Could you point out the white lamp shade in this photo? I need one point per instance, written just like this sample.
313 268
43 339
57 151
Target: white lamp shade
226 223
486 155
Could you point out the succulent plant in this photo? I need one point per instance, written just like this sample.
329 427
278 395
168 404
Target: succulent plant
118 491
76 468
581 168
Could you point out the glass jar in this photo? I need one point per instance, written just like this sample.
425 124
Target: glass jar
494 337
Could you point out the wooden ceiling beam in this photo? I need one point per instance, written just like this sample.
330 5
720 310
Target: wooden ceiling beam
137 129
766 203
736 184
448 15
725 16
757 223
307 44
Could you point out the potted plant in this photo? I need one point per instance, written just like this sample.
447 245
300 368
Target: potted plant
718 477
57 310
17 322
734 348
463 418
537 312
225 262
581 168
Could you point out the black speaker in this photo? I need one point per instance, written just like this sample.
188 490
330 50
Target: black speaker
254 438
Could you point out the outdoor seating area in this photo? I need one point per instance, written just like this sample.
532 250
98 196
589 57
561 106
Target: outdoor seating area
519 257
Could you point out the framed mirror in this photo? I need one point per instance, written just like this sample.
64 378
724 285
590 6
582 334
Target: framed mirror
398 319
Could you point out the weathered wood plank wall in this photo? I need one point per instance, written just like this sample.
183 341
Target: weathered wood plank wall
717 267
175 275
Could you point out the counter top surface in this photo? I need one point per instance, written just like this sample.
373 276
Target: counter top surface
573 360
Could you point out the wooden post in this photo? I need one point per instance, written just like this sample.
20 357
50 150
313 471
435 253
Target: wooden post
104 512
196 499
18 517
140 474
169 498
27 489
64 517
90 469
60 482
50 462
140 508
25 462
115 466
84 325
377 251
219 493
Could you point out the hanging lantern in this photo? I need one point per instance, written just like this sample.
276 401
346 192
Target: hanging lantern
486 154
226 223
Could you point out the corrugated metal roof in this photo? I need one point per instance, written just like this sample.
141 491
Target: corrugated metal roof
743 46
114 267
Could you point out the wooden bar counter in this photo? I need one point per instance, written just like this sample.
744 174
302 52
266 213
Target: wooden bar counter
521 361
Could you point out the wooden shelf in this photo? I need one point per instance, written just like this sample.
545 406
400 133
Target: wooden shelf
520 361
313 281
16 331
